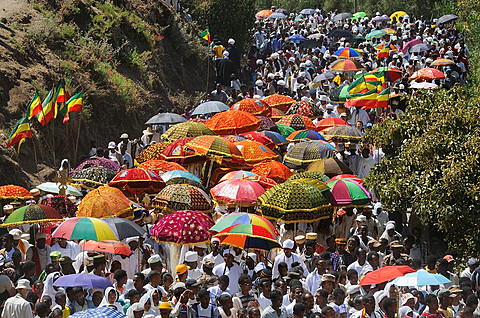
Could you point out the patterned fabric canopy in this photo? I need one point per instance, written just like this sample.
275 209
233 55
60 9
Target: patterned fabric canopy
252 106
329 166
330 122
152 152
177 152
137 180
285 130
186 129
306 152
214 147
62 204
261 138
233 122
310 175
93 177
159 167
266 123
281 102
238 192
32 213
96 162
274 170
14 192
254 152
105 202
305 108
176 197
305 134
344 134
298 122
277 114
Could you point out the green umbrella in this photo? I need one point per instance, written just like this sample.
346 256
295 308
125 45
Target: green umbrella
285 130
339 94
32 213
52 187
359 15
375 34
309 175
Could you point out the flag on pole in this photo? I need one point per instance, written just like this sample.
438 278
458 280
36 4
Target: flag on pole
206 35
49 110
74 104
367 100
34 107
383 98
61 98
19 133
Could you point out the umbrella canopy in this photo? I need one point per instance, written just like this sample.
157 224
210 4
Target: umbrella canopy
97 162
348 193
307 11
252 106
281 102
160 167
176 197
390 46
307 152
311 175
298 122
14 192
442 62
277 15
165 119
248 236
238 192
274 170
211 107
261 138
427 73
447 18
409 44
187 129
83 280
137 180
284 11
382 18
305 108
421 278
342 16
284 130
265 123
339 33
348 177
277 114
384 274
61 204
254 152
179 174
305 134
295 201
348 53
267 183
325 76
276 137
105 202
263 14
52 187
113 247
397 14
84 228
178 153
93 177
184 227
124 228
344 133
391 73
152 152
214 147
235 218
234 138
330 122
330 167
316 36
103 312
358 15
346 65
419 48
297 38
375 34
32 213
233 122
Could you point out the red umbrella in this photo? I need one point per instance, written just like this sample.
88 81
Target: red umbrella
161 166
237 191
113 247
252 106
14 192
177 152
233 122
347 176
137 180
330 122
259 137
385 274
427 74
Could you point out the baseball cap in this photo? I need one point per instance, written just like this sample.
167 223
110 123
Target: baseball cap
449 258
181 269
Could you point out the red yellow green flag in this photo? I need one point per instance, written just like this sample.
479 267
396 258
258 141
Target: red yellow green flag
360 85
367 100
383 98
74 104
49 110
19 132
383 52
34 107
61 98
206 35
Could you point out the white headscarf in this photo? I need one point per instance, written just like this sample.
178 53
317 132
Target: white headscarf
105 302
48 289
149 296
133 308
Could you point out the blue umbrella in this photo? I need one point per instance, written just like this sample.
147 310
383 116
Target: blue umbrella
277 15
178 174
307 11
276 137
83 280
421 278
211 107
297 38
100 312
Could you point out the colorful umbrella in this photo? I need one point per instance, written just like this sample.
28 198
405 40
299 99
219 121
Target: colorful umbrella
160 167
124 228
254 152
184 227
277 114
375 34
261 138
235 218
421 278
113 247
347 177
265 123
84 229
32 213
238 192
105 202
234 138
427 74
298 122
97 162
305 134
330 122
311 175
281 102
84 280
305 108
285 130
103 312
152 152
14 192
186 129
410 44
61 204
177 152
179 174
52 187
252 106
390 46
389 30
348 53
358 15
344 134
307 152
263 14
267 183
176 197
346 65
137 181
274 170
442 62
391 73
233 122
276 137
330 167
248 236
295 201
348 193
384 274
397 14
214 147
211 107
93 177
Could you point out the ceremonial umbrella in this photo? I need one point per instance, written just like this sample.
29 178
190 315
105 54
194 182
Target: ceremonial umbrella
176 197
83 280
284 130
84 228
187 129
298 122
113 247
442 62
276 137
265 123
346 65
32 213
348 53
427 74
184 227
330 167
137 181
421 278
165 119
254 152
281 102
237 192
93 177
330 122
274 170
211 107
307 152
384 274
305 134
124 228
277 114
179 174
97 162
348 193
261 138
52 187
265 182
235 218
233 122
61 204
311 175
305 108
160 167
263 14
252 106
248 236
344 134
347 177
105 202
295 201
177 152
100 312
234 138
14 192
214 147
152 152
391 73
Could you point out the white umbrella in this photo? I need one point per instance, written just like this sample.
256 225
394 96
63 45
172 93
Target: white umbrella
423 85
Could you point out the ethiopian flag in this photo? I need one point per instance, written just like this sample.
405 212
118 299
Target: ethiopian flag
206 35
366 100
34 107
74 104
383 98
49 110
383 52
360 85
20 132
61 98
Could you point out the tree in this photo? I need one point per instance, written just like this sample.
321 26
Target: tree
432 164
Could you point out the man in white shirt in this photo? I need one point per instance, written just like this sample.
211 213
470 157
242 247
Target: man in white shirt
18 307
216 254
314 278
289 258
191 260
361 261
356 114
472 264
231 269
364 163
66 248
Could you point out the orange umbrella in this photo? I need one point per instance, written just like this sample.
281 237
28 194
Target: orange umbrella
113 247
261 138
151 152
176 152
281 102
105 202
137 180
215 147
427 73
345 65
14 192
298 122
331 122
263 14
254 152
277 114
161 166
252 106
274 170
233 122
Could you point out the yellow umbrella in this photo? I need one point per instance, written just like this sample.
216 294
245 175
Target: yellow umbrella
105 202
397 15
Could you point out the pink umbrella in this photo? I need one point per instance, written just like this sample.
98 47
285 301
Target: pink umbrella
410 44
237 191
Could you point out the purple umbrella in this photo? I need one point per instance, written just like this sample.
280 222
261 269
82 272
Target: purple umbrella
266 123
381 18
83 280
410 44
96 162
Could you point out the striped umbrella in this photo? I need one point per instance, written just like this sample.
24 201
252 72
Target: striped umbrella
236 218
305 134
32 213
248 236
347 177
348 193
348 53
390 46
84 228
346 65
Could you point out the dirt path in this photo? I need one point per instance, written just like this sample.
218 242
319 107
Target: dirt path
10 7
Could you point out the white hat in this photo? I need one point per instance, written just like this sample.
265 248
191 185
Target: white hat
406 297
215 239
191 257
23 283
271 75
225 53
329 106
361 218
401 86
40 236
308 63
390 226
226 252
281 83
288 244
259 83
201 246
155 258
112 145
291 59
131 239
259 62
275 55
231 41
323 97
253 256
259 267
353 289
379 295
16 233
124 136
302 65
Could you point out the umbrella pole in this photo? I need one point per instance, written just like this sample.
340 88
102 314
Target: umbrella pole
209 173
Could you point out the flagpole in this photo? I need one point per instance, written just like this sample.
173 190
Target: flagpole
35 155
78 137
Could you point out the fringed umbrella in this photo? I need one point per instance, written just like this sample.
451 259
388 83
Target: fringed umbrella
267 183
112 247
277 114
330 122
62 205
348 193
261 138
177 152
330 167
310 175
254 152
305 134
236 218
174 174
237 192
176 197
82 228
266 123
105 202
274 170
137 181
12 192
96 162
160 167
233 122
93 177
345 65
32 213
344 134
214 147
281 102
152 152
298 122
187 129
285 130
307 152
276 137
252 106
234 138
305 108
347 177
